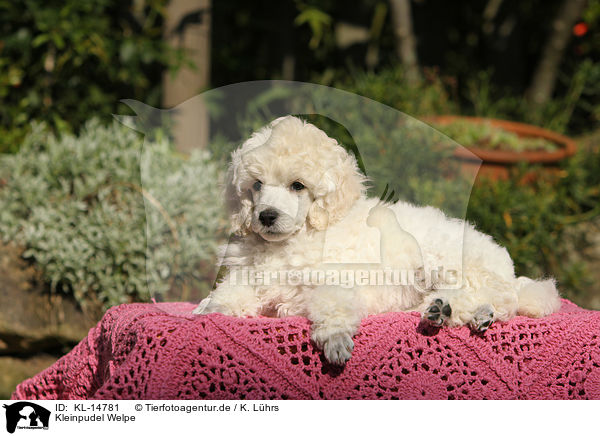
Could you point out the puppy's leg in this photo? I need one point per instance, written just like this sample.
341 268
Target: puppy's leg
481 300
335 314
230 298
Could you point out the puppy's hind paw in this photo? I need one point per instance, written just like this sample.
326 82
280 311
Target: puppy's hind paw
483 318
338 348
438 312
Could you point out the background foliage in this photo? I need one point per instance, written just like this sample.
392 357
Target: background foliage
549 225
484 64
64 62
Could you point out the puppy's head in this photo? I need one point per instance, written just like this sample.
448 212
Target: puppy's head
287 175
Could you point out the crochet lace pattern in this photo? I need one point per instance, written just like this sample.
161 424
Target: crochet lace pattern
162 351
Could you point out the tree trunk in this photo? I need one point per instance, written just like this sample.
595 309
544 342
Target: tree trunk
188 27
544 78
405 38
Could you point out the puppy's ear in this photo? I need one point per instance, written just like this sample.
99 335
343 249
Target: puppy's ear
239 203
340 186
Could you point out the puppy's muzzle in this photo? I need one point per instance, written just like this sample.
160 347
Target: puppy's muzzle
267 217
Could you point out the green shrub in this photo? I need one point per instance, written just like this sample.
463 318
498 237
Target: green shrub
79 208
65 62
431 96
576 109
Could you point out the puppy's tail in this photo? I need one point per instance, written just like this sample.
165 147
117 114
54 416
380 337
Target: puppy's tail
537 298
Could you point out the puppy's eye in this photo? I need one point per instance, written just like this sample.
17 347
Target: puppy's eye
257 185
297 186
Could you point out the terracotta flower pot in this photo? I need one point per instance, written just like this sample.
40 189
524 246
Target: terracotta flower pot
496 163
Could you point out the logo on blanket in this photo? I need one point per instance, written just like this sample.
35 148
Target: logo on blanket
26 415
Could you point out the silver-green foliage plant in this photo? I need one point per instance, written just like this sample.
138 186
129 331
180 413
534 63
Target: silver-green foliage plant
78 206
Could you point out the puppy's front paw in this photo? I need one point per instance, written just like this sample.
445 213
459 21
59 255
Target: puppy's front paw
338 348
438 312
207 306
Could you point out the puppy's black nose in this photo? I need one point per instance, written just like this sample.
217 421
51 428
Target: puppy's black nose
267 217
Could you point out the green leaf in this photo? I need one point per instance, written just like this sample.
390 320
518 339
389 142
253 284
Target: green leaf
40 39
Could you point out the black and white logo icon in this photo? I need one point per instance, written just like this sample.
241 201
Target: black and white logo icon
26 415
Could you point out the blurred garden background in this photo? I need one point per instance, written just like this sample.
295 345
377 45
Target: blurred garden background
73 226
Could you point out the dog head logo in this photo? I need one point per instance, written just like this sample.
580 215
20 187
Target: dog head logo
285 175
26 415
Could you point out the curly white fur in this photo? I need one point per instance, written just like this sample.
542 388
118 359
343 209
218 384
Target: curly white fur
317 192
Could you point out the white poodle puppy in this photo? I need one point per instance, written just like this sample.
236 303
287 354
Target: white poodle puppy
309 243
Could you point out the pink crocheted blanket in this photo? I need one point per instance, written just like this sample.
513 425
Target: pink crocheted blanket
162 351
